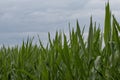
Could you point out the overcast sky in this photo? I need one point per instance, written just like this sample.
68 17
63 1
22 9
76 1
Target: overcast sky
20 18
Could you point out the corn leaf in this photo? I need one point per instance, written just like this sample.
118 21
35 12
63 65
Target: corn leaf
107 24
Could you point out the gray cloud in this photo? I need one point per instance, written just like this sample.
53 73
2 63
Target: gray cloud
38 16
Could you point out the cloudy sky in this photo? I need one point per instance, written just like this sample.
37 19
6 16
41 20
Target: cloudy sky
22 18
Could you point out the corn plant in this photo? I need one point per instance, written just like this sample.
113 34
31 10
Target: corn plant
64 58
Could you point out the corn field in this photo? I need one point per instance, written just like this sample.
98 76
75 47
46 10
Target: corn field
67 59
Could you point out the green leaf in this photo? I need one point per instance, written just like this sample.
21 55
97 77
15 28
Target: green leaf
107 24
90 37
116 23
81 41
115 36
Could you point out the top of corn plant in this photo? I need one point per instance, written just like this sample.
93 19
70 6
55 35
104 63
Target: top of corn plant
63 59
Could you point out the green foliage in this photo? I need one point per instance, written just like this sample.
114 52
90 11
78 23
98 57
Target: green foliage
67 59
107 27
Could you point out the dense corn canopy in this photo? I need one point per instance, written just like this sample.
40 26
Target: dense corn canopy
67 59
